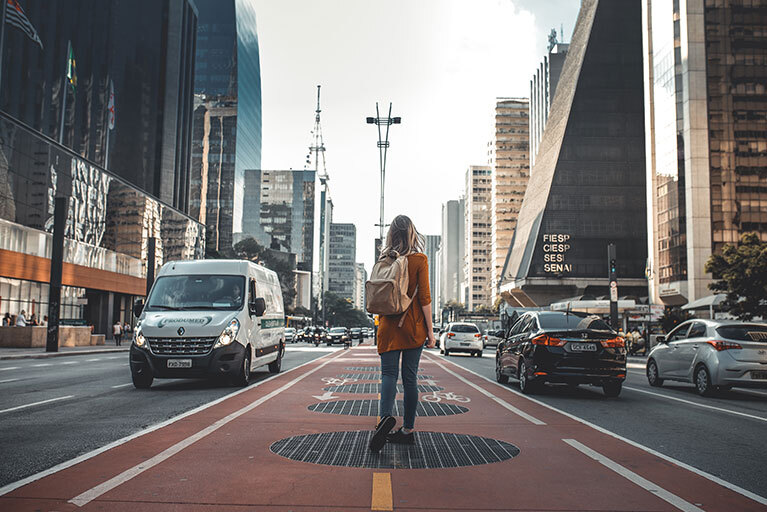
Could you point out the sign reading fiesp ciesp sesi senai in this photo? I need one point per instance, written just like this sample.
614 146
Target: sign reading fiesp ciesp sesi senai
555 247
197 320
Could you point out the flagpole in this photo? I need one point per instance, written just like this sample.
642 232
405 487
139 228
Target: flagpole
2 41
64 94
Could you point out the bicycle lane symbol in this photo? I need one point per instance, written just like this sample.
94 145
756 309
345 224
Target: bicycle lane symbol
438 396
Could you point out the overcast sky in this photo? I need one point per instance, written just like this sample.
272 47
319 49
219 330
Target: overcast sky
441 63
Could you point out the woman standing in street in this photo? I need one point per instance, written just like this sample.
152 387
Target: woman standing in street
403 337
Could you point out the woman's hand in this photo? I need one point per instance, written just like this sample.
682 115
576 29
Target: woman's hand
431 343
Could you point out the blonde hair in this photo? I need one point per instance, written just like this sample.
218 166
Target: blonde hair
402 237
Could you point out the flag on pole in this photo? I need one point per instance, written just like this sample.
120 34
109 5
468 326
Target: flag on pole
111 105
71 69
14 16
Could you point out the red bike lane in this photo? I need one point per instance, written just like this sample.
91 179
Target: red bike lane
297 441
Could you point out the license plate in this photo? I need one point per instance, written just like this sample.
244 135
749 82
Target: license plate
583 347
465 344
759 375
179 363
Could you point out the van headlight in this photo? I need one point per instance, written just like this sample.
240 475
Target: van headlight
138 337
228 334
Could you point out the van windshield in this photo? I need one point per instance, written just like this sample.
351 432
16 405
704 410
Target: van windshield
197 292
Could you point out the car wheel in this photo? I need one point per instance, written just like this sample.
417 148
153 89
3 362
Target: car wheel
479 353
447 352
276 365
499 376
142 379
441 351
612 388
703 381
242 378
526 386
652 374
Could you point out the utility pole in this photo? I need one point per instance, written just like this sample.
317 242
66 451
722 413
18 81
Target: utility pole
613 276
57 264
383 145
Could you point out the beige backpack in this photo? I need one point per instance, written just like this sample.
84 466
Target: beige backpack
386 290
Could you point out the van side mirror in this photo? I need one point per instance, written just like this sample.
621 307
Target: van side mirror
257 307
138 308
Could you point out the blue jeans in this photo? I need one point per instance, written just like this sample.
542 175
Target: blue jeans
389 374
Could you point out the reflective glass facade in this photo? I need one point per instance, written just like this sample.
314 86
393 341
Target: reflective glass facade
342 253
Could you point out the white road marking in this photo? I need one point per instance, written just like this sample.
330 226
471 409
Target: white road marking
502 403
41 365
37 403
327 395
9 368
122 385
288 348
94 359
632 477
93 493
8 380
708 476
696 404
69 362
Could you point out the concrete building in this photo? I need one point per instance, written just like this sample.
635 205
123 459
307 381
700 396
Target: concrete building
705 69
543 85
451 253
478 233
431 249
360 276
587 188
509 160
342 252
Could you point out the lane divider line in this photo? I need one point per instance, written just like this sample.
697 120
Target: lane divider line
382 495
122 385
41 365
93 493
9 368
8 380
632 477
708 476
499 401
690 402
37 403
114 444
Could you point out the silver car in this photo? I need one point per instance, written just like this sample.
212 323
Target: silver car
461 337
712 354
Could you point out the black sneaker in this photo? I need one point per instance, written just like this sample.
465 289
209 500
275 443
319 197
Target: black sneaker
378 439
399 437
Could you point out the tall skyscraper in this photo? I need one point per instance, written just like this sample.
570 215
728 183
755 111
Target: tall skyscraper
543 85
706 136
360 276
342 252
478 257
587 188
452 249
510 171
431 250
228 74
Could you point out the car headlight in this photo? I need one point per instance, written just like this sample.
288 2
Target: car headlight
138 337
229 333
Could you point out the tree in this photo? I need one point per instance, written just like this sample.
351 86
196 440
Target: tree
741 273
673 316
340 312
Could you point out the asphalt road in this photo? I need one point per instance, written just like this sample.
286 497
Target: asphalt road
52 410
722 435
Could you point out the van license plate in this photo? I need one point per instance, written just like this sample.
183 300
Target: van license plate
583 347
179 363
758 375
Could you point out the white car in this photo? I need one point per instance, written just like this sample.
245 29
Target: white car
493 337
461 337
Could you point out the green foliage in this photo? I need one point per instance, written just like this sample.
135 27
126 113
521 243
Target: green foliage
741 273
497 305
673 316
340 312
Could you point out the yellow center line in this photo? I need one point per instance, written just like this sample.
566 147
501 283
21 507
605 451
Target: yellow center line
382 497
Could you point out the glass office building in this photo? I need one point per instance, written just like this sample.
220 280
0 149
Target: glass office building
706 105
342 255
98 112
587 188
227 75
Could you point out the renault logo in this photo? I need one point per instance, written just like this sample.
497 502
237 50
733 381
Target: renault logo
181 331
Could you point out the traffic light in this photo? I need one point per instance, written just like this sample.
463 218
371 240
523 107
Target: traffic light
612 266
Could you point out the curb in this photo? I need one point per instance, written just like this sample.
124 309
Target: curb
46 355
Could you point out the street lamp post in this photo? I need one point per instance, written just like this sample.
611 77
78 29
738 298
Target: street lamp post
383 145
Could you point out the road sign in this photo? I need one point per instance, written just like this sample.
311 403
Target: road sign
613 291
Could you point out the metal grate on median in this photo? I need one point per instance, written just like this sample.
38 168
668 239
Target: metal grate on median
370 408
374 387
372 376
432 450
367 368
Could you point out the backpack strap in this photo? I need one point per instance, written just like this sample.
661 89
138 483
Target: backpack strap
404 313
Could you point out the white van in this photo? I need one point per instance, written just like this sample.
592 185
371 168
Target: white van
208 318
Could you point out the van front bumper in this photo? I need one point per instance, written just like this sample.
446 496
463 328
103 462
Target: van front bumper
219 361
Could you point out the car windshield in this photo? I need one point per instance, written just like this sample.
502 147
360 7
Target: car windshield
464 328
745 332
337 330
572 321
197 292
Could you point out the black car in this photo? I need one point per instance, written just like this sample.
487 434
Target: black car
337 335
562 347
355 333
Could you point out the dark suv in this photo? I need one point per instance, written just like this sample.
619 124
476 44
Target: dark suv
564 347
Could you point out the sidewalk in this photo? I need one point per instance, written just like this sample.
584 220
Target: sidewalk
40 353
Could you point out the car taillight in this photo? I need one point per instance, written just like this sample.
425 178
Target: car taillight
543 339
617 342
724 345
477 335
450 334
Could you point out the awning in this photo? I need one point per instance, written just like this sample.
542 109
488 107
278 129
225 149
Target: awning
706 302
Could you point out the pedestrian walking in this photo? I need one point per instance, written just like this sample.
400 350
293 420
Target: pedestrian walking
402 336
117 332
21 320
